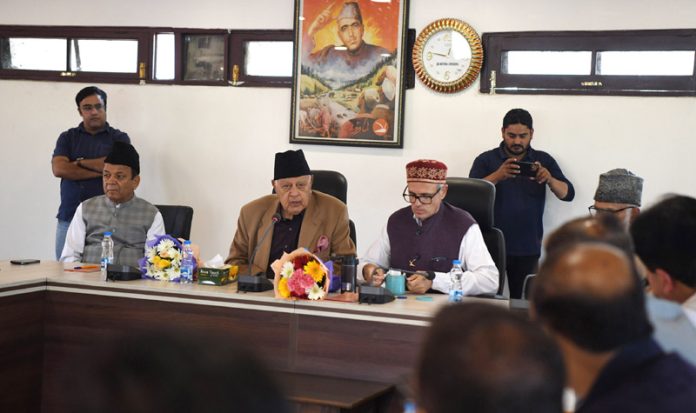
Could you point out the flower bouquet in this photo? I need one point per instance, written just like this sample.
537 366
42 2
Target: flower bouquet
300 274
162 260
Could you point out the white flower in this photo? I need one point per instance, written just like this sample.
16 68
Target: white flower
165 245
287 270
172 274
315 292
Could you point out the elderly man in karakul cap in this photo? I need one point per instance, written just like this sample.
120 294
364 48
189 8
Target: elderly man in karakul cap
131 220
428 235
618 193
300 217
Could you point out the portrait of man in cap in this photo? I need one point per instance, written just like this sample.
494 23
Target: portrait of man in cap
293 216
426 236
348 63
131 220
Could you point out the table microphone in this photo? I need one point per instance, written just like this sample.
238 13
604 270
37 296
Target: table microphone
251 282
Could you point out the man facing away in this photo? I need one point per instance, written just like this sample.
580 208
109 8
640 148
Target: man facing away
665 240
481 358
590 299
428 235
78 158
619 193
131 220
672 329
295 215
520 200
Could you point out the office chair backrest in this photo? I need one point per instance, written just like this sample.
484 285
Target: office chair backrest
177 220
332 183
477 196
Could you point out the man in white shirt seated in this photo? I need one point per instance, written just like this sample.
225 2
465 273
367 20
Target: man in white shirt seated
665 237
428 235
131 220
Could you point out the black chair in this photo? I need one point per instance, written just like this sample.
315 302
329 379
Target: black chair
177 220
477 196
527 286
335 184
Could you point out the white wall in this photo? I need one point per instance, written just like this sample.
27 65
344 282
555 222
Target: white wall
212 147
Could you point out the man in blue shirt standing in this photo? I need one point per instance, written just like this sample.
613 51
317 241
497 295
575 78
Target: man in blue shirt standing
520 175
78 158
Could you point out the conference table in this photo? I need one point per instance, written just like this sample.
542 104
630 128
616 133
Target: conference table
50 317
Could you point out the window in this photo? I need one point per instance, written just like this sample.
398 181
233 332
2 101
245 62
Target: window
648 63
261 58
217 57
71 53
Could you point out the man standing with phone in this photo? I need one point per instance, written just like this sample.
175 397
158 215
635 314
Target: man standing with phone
520 175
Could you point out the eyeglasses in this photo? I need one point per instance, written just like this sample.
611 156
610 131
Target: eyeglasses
425 199
88 108
594 211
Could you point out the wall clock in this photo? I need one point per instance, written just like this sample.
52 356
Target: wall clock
447 55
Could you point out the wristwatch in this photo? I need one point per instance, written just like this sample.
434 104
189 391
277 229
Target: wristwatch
430 275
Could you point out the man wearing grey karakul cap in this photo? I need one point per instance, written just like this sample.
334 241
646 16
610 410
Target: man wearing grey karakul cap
619 192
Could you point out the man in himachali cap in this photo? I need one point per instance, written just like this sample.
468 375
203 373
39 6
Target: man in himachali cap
425 237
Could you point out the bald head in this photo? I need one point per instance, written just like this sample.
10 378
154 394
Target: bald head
601 228
590 293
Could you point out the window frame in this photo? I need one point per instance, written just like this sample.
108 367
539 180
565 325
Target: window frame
234 54
495 44
237 53
79 32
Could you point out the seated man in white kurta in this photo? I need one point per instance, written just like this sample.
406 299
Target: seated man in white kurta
131 220
427 236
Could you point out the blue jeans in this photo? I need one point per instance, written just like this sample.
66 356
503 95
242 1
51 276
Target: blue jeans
61 232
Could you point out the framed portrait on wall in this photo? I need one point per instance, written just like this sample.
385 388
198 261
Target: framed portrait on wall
348 74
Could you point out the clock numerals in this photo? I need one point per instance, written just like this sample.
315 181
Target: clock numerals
447 75
430 56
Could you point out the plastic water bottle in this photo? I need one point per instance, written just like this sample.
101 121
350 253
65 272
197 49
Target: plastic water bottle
107 253
456 273
186 263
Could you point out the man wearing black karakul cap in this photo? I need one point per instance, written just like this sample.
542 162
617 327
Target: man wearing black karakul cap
303 218
131 220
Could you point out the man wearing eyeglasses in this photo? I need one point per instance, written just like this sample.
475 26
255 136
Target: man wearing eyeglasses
424 238
618 193
78 158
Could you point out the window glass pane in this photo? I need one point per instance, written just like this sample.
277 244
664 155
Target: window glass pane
547 63
114 56
646 63
164 56
205 57
35 54
267 58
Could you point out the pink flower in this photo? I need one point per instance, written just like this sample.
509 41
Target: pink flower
299 283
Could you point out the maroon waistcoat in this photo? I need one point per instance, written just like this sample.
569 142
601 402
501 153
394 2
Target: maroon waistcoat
431 246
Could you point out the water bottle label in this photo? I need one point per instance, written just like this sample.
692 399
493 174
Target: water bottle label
455 296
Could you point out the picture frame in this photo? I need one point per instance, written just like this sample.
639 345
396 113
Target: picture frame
349 72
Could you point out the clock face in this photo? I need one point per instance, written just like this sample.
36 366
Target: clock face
446 56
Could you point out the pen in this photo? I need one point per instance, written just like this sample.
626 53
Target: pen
86 267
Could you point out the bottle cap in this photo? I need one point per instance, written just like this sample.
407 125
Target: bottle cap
187 242
456 262
107 234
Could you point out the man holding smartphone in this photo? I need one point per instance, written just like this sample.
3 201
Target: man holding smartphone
520 175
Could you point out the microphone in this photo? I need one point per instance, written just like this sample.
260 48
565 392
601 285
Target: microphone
274 220
249 282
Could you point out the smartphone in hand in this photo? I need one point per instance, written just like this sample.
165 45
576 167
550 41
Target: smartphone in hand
528 169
